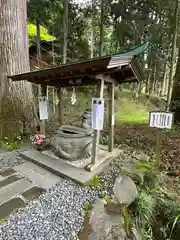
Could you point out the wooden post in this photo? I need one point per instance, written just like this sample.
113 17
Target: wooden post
43 122
158 148
60 107
38 48
97 132
111 117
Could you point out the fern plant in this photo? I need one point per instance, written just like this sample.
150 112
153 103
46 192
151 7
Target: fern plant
143 209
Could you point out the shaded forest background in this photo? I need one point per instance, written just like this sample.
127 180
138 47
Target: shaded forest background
101 27
65 31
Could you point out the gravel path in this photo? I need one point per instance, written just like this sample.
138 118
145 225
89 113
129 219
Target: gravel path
58 213
9 159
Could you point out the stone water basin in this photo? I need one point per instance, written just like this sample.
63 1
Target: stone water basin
72 143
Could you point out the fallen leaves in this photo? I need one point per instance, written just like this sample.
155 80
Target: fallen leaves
144 138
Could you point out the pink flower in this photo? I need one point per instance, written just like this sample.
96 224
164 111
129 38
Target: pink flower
39 138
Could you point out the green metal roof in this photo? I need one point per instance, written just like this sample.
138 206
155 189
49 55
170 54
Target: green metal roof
129 70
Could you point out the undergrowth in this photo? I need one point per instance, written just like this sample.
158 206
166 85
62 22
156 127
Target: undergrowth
154 213
11 143
95 182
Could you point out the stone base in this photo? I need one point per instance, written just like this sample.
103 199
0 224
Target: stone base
62 168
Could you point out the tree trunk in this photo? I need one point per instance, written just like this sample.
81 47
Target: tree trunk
149 62
173 55
147 90
65 28
154 79
175 100
65 51
138 90
92 31
164 85
17 101
101 45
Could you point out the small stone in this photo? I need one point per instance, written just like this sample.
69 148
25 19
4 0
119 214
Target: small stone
125 190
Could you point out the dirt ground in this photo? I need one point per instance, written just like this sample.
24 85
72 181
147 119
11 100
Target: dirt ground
143 137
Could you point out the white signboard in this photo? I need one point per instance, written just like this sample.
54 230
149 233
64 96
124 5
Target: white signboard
97 113
43 108
162 120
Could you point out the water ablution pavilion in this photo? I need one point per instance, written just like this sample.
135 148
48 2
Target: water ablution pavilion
76 152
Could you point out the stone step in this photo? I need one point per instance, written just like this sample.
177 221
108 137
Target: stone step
8 207
13 189
62 168
37 175
32 193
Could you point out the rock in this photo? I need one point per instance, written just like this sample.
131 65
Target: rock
125 190
141 156
102 224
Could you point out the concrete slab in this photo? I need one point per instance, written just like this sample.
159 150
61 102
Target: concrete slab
9 180
13 189
42 171
61 168
8 207
8 172
39 176
1 178
32 193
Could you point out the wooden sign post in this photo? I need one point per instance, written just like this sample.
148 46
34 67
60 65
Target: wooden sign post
160 120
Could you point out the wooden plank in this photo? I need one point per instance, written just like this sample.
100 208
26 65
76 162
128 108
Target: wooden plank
111 117
106 78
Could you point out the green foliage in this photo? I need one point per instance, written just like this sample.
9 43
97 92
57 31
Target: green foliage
44 10
86 208
2 220
143 209
127 219
174 224
168 214
11 143
171 210
107 199
143 174
131 112
43 33
95 182
146 233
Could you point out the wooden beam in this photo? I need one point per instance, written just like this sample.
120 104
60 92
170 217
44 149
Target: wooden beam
111 117
106 78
